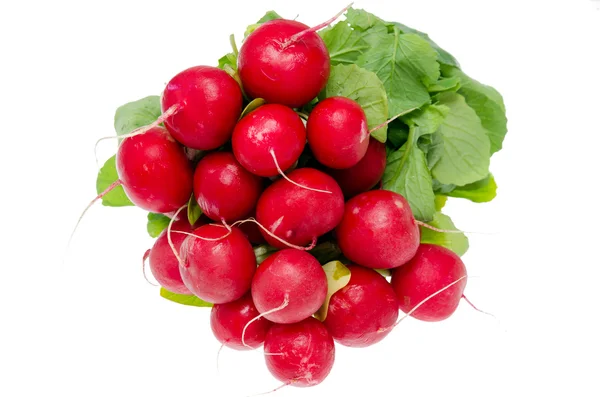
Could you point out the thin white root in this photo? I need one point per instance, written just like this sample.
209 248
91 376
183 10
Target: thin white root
218 356
271 391
435 229
282 241
169 234
272 152
390 120
299 35
476 308
203 238
146 255
286 302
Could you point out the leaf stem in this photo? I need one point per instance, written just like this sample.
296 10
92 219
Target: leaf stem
233 45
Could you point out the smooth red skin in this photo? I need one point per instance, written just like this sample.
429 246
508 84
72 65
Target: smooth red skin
366 174
154 170
291 75
337 132
432 268
308 352
298 215
211 103
292 273
364 311
271 126
227 321
217 271
378 230
224 189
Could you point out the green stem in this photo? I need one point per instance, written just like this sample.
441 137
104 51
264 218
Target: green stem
233 45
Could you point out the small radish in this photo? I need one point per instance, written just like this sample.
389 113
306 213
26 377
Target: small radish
217 267
208 103
224 189
337 132
378 230
228 320
299 215
300 354
364 311
154 170
289 286
430 270
364 175
270 136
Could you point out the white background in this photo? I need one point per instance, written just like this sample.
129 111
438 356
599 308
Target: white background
93 327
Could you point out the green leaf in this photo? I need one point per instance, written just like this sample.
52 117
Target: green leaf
326 251
366 89
440 201
463 155
269 16
156 224
194 212
445 84
479 192
228 60
189 300
253 105
137 114
338 276
363 20
397 134
106 177
427 120
487 103
343 43
443 56
406 64
262 252
456 242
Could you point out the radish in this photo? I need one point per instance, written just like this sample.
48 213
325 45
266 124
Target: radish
228 321
252 232
299 215
337 132
364 311
224 189
268 139
289 286
364 175
154 171
378 230
218 266
208 103
300 354
430 270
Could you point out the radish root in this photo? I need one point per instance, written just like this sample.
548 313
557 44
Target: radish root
286 302
271 391
479 310
169 234
435 229
146 255
301 34
282 241
390 120
272 152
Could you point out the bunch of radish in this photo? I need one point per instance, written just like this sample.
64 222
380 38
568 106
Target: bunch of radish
275 213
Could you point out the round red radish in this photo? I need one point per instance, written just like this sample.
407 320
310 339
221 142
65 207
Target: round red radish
364 311
227 321
291 281
154 170
300 354
298 215
210 103
270 129
274 66
364 175
224 189
337 132
429 271
378 230
217 271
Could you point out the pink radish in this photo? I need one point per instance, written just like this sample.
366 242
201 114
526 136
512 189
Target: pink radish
296 214
378 230
224 189
289 286
228 320
431 269
364 311
217 267
269 137
337 132
154 170
208 103
300 354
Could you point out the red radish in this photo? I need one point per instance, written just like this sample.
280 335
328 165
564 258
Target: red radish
364 311
378 230
289 286
252 232
268 134
227 321
224 189
154 170
300 354
364 175
209 103
430 270
280 68
337 132
298 215
217 271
